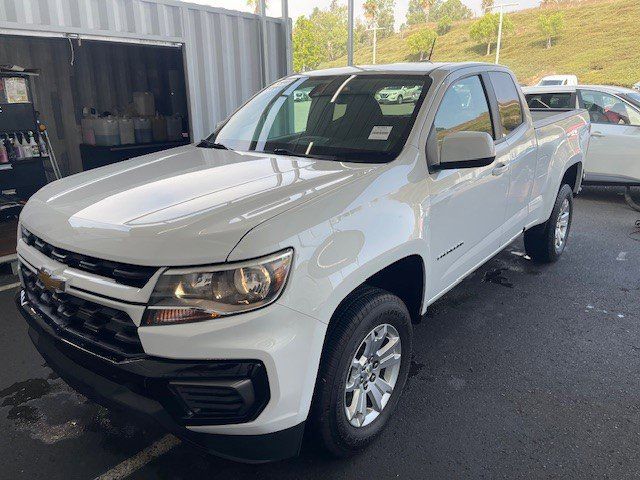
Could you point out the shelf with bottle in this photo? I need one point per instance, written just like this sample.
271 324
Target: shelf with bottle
18 146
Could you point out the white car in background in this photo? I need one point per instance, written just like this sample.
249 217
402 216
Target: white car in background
399 94
612 157
558 80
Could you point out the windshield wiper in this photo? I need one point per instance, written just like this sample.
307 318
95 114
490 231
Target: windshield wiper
209 144
284 151
290 153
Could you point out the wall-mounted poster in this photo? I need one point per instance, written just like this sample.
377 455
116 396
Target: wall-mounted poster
15 90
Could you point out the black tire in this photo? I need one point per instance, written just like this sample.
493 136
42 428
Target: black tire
540 241
359 314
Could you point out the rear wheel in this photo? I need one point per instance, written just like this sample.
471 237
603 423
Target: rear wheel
545 243
363 369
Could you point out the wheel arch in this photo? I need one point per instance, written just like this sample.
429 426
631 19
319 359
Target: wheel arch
404 277
573 177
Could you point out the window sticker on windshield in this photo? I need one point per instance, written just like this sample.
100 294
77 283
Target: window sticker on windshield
380 132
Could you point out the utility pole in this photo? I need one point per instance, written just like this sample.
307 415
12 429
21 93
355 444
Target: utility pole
501 7
375 40
287 33
262 11
350 15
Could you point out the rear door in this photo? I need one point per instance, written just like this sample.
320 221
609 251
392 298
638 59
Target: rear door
467 205
517 131
612 156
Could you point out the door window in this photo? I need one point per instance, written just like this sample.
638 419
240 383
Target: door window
464 108
609 109
509 107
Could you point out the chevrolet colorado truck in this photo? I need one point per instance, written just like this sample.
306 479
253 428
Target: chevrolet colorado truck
262 284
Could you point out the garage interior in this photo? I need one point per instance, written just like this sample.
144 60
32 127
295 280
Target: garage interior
100 101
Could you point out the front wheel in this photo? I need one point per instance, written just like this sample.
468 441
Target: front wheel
363 369
545 243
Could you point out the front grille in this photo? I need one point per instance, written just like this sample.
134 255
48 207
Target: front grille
102 330
131 275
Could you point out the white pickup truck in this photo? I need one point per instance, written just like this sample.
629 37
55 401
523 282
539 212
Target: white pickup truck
266 279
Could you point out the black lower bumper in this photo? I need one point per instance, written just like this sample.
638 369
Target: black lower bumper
163 390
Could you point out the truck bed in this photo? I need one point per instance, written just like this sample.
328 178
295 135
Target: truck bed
543 117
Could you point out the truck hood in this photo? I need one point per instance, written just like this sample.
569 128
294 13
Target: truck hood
185 206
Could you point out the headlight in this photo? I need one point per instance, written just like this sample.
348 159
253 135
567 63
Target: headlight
205 293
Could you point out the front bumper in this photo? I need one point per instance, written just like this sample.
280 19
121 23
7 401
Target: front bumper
162 389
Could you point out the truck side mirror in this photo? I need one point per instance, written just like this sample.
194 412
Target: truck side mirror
466 150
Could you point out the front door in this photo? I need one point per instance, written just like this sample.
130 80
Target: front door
467 206
613 155
521 138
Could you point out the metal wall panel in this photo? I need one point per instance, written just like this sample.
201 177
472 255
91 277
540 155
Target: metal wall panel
222 47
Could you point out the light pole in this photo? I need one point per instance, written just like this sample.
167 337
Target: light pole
350 15
501 7
375 40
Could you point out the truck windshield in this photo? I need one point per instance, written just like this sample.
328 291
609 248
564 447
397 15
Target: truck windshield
339 117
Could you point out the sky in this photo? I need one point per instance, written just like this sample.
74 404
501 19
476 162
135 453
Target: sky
304 7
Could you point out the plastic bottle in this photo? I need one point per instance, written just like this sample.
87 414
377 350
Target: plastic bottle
159 128
42 146
35 151
4 158
11 154
88 117
142 130
127 132
19 154
26 148
106 131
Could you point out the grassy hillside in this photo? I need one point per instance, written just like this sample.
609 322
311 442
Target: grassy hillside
600 44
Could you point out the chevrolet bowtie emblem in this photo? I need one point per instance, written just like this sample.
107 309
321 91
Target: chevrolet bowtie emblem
50 282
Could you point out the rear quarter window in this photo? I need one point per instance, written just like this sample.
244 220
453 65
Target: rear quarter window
565 100
509 108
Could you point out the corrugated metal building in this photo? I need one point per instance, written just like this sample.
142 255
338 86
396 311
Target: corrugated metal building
77 45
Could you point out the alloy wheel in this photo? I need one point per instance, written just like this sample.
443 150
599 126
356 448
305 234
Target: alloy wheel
562 225
372 375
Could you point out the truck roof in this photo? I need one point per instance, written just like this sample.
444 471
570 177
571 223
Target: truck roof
415 68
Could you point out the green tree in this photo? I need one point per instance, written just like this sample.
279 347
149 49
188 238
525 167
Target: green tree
308 53
379 13
418 11
255 5
487 5
415 13
454 9
551 24
485 29
444 25
320 37
331 27
420 42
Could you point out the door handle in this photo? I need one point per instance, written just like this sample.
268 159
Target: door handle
597 134
499 169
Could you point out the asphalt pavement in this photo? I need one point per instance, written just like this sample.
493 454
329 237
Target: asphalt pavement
521 371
